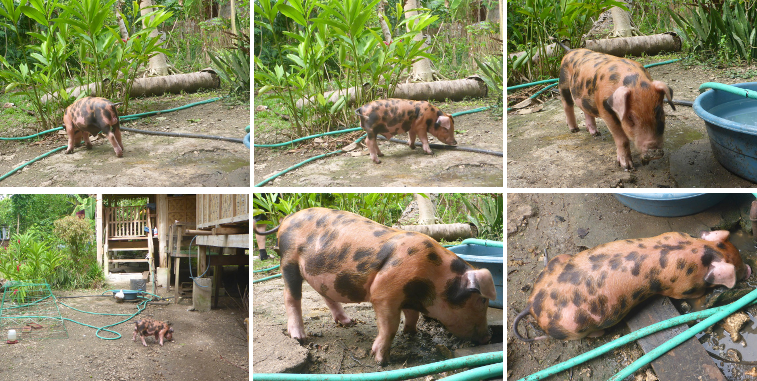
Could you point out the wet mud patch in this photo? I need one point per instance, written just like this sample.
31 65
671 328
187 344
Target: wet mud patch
400 166
543 153
331 348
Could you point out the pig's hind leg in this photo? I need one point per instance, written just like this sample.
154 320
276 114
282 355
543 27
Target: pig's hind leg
411 321
337 312
293 300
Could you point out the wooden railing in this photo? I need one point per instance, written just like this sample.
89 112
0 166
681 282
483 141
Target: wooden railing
127 221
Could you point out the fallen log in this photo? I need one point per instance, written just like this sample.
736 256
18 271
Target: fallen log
173 84
455 90
449 232
620 47
333 96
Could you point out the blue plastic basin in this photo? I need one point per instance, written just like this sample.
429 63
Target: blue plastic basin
731 122
669 204
487 257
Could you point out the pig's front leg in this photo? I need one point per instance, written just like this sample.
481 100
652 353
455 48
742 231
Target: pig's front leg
591 124
423 137
388 321
143 339
411 321
113 142
411 140
570 112
373 148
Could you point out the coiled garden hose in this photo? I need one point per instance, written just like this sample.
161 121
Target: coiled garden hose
478 360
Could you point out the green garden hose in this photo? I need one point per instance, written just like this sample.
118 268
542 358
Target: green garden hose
629 338
482 242
728 88
477 374
689 333
266 278
393 375
268 269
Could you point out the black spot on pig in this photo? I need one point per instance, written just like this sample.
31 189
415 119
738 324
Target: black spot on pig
709 256
454 293
614 78
350 285
631 80
691 268
570 275
419 293
459 266
598 306
588 105
680 264
607 104
434 258
293 279
578 299
380 232
411 251
581 318
637 260
659 117
538 301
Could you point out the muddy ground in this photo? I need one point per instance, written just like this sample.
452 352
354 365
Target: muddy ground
207 345
543 153
333 349
154 161
401 166
570 223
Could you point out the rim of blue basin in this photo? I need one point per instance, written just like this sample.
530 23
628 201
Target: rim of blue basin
727 97
662 196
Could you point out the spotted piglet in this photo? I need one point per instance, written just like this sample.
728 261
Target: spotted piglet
90 116
148 327
396 116
583 294
623 94
350 259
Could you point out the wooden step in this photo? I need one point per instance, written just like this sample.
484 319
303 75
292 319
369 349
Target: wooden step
129 260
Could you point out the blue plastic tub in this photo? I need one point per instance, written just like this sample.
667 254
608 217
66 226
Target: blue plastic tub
487 257
731 122
669 204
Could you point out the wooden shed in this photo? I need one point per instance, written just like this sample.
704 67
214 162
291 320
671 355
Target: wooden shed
163 226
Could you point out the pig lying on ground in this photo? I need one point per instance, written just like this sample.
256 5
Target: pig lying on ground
90 116
148 327
581 295
350 259
396 116
623 94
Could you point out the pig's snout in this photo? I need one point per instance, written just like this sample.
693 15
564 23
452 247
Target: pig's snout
652 154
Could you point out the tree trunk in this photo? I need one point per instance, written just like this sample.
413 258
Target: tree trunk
425 210
472 87
449 232
621 21
121 25
421 69
157 65
384 28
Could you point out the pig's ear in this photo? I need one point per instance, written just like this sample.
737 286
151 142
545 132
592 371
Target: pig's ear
721 273
715 236
620 102
666 91
444 121
480 281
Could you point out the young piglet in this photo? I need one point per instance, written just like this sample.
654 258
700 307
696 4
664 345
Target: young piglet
623 94
350 259
90 116
396 116
581 295
149 327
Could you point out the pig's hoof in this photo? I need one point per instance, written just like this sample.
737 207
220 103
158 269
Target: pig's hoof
574 130
596 133
69 151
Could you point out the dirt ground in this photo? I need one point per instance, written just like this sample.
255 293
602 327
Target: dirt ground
207 345
543 153
333 349
400 166
155 161
570 223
